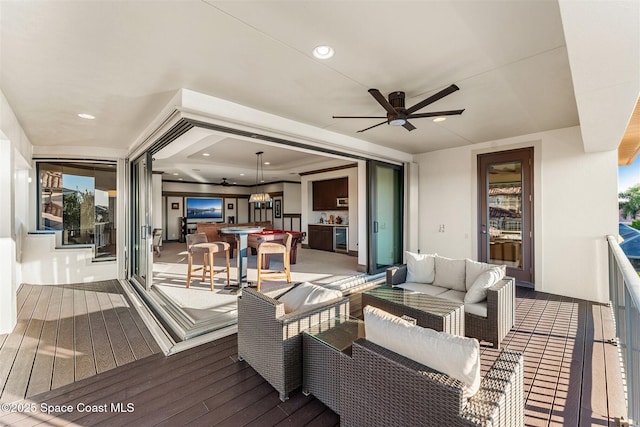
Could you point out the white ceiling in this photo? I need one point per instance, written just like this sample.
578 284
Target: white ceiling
122 61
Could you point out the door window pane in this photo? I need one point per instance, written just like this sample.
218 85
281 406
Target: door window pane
505 213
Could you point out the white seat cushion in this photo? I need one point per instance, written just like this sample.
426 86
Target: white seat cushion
479 308
420 267
305 295
450 273
486 279
458 357
422 288
475 268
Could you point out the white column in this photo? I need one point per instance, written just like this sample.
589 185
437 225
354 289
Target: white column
8 286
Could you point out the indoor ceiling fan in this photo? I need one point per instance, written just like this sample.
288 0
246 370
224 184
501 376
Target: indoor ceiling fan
398 115
225 183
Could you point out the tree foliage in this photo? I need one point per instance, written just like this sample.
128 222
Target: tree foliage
630 201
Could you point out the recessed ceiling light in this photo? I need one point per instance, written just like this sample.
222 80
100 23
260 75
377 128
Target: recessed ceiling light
323 52
241 174
86 116
176 173
206 154
234 183
439 119
267 163
179 179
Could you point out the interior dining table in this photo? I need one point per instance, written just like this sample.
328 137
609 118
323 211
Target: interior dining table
240 234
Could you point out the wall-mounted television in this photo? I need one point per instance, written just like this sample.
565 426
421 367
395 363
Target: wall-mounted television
204 208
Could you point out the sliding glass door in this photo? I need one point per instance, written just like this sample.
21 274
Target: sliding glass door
385 213
141 259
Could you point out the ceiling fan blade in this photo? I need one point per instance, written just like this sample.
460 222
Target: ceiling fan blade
359 117
436 114
382 101
371 127
408 126
432 98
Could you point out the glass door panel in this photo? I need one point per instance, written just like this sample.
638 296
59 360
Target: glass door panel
505 226
140 220
385 215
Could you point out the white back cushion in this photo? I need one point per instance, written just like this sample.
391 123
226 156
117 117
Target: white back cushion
458 357
420 267
486 279
475 268
450 273
307 294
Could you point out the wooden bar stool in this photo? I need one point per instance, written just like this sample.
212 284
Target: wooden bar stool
197 244
268 248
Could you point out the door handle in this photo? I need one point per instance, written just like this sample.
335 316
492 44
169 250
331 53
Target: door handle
143 235
375 226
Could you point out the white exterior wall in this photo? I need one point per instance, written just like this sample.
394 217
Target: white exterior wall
15 157
575 207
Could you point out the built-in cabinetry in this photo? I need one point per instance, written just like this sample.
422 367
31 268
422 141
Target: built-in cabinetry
327 192
321 237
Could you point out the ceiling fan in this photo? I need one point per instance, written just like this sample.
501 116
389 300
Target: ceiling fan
225 183
398 115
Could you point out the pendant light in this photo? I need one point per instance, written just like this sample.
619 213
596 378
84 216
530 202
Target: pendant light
259 196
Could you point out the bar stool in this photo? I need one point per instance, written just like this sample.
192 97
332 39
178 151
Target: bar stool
196 244
275 248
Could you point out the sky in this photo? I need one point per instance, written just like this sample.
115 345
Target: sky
629 175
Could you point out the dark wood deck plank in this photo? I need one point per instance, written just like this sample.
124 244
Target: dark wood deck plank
208 386
62 336
117 337
18 380
64 360
102 346
10 350
85 364
42 371
151 391
126 303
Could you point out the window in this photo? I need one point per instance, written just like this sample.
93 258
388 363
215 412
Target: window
79 199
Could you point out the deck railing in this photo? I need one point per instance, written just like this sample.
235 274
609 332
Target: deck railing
624 292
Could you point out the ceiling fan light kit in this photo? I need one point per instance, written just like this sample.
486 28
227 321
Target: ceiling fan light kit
398 115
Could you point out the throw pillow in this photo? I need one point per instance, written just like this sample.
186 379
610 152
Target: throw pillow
318 296
450 273
478 290
420 267
306 295
293 299
475 268
458 357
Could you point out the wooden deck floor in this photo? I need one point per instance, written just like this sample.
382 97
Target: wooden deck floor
572 378
67 333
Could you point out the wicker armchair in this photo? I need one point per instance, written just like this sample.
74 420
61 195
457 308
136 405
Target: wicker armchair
501 308
383 388
271 341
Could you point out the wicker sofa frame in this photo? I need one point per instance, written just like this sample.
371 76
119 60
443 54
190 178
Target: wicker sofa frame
271 341
501 308
385 388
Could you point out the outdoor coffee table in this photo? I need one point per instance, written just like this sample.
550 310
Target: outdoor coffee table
429 312
327 356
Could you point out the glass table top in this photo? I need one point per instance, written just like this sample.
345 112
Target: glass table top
338 333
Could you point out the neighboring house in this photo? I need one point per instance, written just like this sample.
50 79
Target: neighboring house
630 244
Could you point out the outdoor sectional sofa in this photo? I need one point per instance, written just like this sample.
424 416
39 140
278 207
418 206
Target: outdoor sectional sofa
489 318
